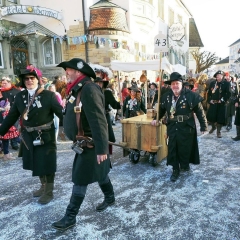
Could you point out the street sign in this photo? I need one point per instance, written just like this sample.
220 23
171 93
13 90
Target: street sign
176 32
160 43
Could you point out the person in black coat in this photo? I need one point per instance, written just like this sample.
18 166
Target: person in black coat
180 104
237 117
109 100
9 92
230 105
86 122
36 107
133 105
218 96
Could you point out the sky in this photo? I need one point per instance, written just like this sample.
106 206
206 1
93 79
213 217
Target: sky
217 22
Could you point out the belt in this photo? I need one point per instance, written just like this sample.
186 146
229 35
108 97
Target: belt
181 118
37 128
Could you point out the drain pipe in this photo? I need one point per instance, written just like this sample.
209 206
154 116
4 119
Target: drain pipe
85 31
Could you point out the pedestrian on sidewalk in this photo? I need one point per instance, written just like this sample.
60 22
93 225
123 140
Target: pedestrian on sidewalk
180 104
36 107
218 96
87 124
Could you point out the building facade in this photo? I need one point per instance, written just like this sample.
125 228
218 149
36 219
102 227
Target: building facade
234 57
33 31
45 33
195 43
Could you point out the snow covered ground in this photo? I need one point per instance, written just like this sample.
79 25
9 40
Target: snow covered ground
202 204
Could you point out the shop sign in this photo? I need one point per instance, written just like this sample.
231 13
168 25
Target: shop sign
160 43
176 32
10 10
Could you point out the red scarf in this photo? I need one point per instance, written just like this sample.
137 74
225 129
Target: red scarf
70 85
7 89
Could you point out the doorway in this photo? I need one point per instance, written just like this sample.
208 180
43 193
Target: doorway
19 55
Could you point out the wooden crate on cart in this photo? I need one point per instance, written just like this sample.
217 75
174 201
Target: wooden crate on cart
138 133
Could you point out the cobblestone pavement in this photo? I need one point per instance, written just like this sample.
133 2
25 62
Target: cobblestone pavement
202 204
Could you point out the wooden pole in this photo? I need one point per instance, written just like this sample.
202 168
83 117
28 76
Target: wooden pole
159 87
120 94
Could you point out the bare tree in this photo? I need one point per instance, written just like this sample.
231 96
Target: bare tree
204 60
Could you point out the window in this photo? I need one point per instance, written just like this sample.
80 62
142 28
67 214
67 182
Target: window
1 56
150 1
180 19
12 1
51 52
170 17
161 9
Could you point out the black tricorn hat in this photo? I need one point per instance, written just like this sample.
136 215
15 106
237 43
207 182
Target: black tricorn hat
219 72
175 76
105 82
23 74
188 84
80 65
134 88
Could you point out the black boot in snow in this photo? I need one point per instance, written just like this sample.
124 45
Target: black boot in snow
237 138
69 219
109 198
175 175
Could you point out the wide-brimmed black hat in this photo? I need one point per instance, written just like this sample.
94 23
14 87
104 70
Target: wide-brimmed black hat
218 72
175 76
188 84
105 82
23 74
80 65
154 84
134 88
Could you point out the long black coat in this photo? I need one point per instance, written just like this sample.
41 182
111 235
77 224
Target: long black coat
40 159
86 170
218 91
183 135
237 114
110 100
230 106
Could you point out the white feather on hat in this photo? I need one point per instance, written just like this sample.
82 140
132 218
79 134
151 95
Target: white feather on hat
99 68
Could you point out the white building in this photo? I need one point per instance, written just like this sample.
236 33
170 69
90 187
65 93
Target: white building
41 32
32 31
223 65
234 57
195 43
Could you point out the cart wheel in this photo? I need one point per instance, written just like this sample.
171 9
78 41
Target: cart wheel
153 159
134 157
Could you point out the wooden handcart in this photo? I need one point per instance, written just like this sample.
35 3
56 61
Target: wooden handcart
139 135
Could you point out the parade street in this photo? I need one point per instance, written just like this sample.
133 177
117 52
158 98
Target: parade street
201 204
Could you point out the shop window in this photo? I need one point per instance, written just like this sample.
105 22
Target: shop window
1 56
51 52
